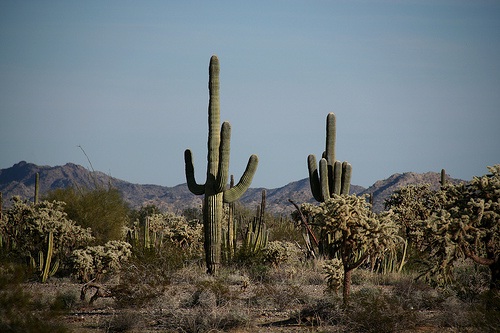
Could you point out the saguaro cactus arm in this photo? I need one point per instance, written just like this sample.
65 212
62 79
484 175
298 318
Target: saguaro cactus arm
314 178
194 187
234 193
224 150
346 178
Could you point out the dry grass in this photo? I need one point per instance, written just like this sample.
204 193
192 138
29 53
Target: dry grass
288 298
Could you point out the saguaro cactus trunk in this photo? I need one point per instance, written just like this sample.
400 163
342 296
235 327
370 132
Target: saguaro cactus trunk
215 187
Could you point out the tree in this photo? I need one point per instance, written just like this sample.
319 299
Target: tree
103 210
355 232
467 226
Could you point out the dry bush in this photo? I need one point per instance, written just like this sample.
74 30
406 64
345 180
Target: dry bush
21 311
417 295
203 303
127 321
147 274
198 319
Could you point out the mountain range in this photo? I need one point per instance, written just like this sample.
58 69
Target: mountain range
20 180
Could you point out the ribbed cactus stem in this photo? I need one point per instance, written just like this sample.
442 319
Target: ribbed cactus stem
214 188
147 236
333 176
37 187
48 258
443 178
231 227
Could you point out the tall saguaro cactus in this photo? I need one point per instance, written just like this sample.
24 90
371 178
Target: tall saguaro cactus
334 177
215 187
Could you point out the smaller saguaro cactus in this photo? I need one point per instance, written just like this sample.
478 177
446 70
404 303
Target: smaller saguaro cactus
37 187
45 261
443 178
257 234
334 177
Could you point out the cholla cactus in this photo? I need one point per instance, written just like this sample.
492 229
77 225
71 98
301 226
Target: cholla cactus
334 274
26 229
281 252
93 262
167 227
355 232
466 226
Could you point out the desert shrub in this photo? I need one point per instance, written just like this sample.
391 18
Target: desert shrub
25 229
281 252
469 281
211 293
485 313
221 319
312 272
19 310
93 262
103 210
206 304
64 301
372 310
147 275
126 321
255 268
283 229
417 295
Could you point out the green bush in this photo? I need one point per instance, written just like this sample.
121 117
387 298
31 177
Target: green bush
102 210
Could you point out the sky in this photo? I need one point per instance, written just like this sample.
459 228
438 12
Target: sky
415 85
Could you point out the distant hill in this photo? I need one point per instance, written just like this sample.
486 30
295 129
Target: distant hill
383 189
20 180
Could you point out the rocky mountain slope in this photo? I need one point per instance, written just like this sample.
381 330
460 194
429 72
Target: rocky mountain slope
20 180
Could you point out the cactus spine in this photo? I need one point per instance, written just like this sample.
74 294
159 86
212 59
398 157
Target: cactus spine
334 177
214 188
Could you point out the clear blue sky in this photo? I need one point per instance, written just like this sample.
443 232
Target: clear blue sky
415 85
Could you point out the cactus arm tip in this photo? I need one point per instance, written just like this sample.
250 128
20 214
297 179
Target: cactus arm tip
314 177
234 193
346 178
224 152
194 187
